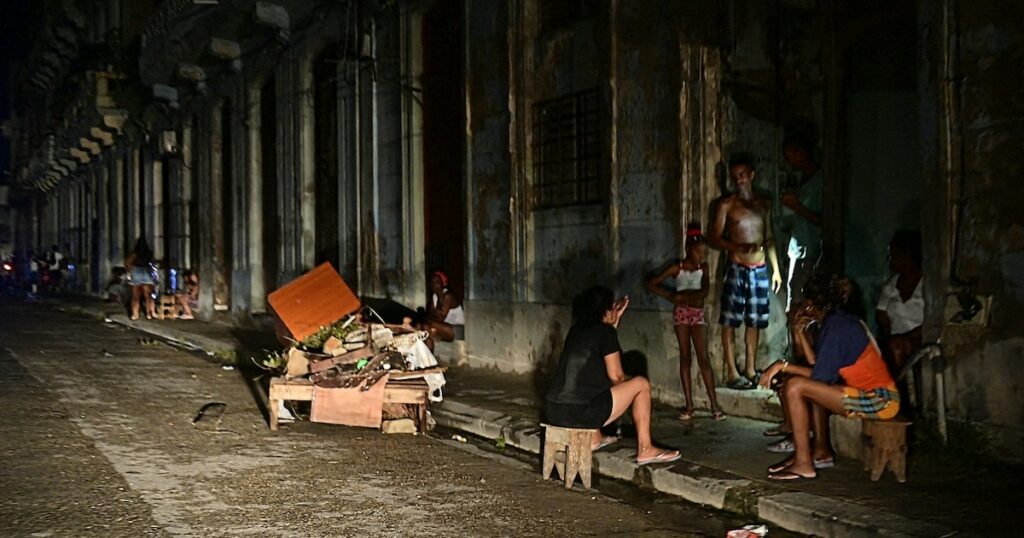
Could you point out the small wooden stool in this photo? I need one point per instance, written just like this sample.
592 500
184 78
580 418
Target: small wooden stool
885 444
167 307
575 443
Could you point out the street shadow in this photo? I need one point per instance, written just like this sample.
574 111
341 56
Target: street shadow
252 349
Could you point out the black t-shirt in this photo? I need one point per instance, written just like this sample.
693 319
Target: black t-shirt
581 373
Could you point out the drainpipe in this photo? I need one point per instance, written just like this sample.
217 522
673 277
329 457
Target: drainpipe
931 352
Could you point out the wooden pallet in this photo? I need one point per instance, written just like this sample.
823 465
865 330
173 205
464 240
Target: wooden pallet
406 391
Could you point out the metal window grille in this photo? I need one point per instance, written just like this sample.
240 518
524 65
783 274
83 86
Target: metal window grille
566 151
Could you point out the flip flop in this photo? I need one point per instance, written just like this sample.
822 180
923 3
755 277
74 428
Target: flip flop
779 467
685 416
665 456
781 447
790 475
740 383
825 463
606 441
718 416
818 464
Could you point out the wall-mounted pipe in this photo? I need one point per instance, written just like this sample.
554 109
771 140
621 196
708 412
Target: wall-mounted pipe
931 352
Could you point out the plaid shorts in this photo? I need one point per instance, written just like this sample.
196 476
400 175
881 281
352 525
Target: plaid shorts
745 296
881 403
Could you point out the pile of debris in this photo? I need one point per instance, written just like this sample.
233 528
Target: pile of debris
351 353
353 371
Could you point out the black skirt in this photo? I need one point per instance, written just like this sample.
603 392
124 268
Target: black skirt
590 415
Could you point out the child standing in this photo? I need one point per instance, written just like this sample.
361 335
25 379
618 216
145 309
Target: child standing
691 288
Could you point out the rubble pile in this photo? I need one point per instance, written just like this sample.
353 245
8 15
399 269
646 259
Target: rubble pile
351 353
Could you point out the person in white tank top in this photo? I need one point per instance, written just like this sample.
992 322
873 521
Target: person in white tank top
444 311
691 282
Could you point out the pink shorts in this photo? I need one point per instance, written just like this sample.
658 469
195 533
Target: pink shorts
688 315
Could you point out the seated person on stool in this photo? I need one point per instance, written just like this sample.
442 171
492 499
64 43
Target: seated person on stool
803 335
590 389
189 299
444 311
844 349
900 311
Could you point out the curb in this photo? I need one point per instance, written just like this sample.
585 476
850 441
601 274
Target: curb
796 511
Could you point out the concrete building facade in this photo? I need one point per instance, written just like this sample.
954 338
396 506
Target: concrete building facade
531 149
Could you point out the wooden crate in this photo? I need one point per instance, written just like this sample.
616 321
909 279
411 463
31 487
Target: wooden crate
314 300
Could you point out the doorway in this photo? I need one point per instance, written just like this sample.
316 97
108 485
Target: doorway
882 176
444 205
271 233
325 126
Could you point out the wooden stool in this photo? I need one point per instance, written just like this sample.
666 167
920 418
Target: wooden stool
575 443
167 307
885 444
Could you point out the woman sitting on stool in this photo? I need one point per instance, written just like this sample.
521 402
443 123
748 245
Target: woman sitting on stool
843 349
444 311
590 389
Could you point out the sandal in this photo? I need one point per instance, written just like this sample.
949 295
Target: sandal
775 431
717 416
826 463
790 475
740 383
780 466
685 416
665 456
784 446
605 441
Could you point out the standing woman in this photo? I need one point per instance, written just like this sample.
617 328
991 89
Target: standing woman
590 390
141 278
690 289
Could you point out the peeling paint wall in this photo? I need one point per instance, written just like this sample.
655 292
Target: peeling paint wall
488 189
986 380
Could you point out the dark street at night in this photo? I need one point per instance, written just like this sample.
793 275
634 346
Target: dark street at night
735 268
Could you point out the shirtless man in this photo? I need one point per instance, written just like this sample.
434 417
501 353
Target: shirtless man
742 227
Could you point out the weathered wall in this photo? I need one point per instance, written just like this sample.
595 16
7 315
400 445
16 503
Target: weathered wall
571 244
986 378
488 190
971 112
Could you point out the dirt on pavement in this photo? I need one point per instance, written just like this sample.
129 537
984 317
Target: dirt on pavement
98 441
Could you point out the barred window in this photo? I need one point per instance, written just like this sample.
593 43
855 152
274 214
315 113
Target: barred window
566 151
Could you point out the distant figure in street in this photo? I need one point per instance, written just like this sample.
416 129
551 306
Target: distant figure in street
849 377
444 310
742 227
801 215
116 286
590 390
141 280
691 282
189 297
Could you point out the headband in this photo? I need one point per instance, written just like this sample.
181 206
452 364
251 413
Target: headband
442 277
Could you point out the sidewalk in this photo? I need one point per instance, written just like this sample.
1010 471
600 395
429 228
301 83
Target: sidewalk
724 462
